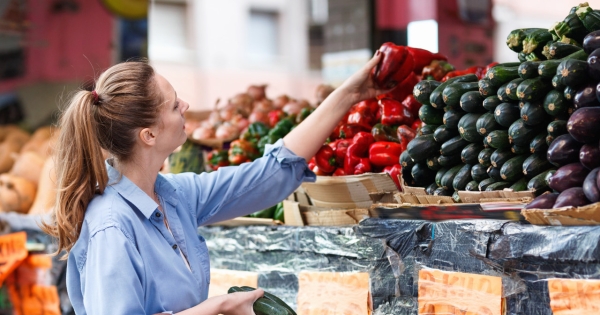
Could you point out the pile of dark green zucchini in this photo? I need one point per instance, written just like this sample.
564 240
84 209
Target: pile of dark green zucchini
508 129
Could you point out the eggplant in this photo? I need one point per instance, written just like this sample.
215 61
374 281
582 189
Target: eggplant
583 125
572 197
590 189
568 176
589 156
591 42
586 96
594 65
564 150
545 201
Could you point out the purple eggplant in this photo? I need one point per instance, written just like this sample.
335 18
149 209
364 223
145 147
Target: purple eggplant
584 125
589 156
568 176
572 197
594 65
586 96
591 42
563 150
545 201
590 189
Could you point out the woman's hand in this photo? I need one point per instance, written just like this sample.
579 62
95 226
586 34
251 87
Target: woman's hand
360 85
240 303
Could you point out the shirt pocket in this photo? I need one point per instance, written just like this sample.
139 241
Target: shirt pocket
204 258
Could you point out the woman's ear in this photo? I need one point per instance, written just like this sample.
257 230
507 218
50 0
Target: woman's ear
148 136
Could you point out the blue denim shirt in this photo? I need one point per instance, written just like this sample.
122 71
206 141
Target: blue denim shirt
127 262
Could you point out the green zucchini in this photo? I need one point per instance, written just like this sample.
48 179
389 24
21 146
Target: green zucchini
449 176
449 160
522 56
535 39
472 186
486 123
547 69
533 113
498 186
512 170
560 50
533 89
422 90
273 298
430 190
498 139
430 115
520 133
479 172
453 146
556 128
515 38
266 305
573 72
546 50
571 27
438 176
535 164
452 117
484 157
486 88
569 94
590 18
520 185
538 183
485 183
499 157
535 56
494 172
518 149
549 140
502 93
548 175
557 83
427 130
511 89
453 92
507 113
499 75
406 161
472 102
469 154
538 143
491 102
440 191
462 178
555 104
456 197
433 163
443 133
529 69
422 147
467 127
486 144
436 99
422 174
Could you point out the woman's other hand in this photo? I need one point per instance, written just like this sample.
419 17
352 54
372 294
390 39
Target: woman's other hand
240 303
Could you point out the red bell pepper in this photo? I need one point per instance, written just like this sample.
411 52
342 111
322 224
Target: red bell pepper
416 125
402 90
339 172
347 132
436 70
423 57
412 104
394 113
363 114
385 153
356 151
325 159
394 171
363 166
394 66
312 163
381 132
319 172
456 73
340 148
406 135
275 116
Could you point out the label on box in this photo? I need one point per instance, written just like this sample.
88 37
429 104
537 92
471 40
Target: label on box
574 296
443 292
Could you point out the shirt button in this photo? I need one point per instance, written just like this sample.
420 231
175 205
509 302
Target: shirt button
157 214
175 246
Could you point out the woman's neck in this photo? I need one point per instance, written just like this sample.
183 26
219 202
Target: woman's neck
142 170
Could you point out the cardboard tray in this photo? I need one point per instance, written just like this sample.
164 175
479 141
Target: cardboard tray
296 214
571 216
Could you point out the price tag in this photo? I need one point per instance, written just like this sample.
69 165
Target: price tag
443 292
12 252
574 296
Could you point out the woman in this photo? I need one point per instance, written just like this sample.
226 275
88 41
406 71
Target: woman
130 233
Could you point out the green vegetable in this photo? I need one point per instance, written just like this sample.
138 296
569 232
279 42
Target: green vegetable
436 99
512 170
555 103
422 91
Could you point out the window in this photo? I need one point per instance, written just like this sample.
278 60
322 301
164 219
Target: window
263 36
423 34
168 31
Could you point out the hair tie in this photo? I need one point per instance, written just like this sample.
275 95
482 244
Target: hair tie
96 98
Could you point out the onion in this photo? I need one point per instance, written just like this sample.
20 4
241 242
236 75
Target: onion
203 132
293 107
243 102
281 101
259 116
228 112
239 121
265 105
257 92
227 131
215 118
323 90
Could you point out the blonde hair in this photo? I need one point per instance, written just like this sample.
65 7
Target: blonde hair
126 98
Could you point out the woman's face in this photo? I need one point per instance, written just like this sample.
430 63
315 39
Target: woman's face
171 127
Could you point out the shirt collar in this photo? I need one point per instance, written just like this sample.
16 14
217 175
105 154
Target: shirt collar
134 195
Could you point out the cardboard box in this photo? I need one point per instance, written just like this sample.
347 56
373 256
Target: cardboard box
586 215
348 192
297 214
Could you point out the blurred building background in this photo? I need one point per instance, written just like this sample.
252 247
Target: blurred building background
213 50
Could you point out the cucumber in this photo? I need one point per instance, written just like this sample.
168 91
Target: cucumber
453 92
515 38
472 186
556 128
486 123
569 94
470 153
427 130
494 172
520 185
436 99
529 69
533 89
573 72
533 113
512 170
449 160
422 91
506 114
557 83
535 164
547 69
560 50
518 149
520 133
406 161
433 163
422 147
555 103
439 174
479 172
443 133
491 102
499 157
486 88
430 190
453 146
485 183
499 75
502 93
422 175
467 127
498 139
538 183
462 178
472 102
535 39
538 143
448 177
484 157
440 191
511 89
452 117
430 115
498 186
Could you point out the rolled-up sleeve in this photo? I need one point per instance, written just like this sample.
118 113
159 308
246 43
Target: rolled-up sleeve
239 190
